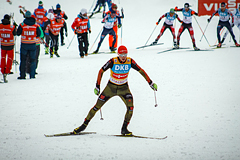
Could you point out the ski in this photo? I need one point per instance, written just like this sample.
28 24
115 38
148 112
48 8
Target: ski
234 46
112 52
171 49
68 134
215 45
86 133
143 137
218 47
201 50
149 45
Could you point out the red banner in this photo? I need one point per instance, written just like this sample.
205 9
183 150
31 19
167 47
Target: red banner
207 7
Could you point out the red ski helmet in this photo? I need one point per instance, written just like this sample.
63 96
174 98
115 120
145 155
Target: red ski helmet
114 5
122 50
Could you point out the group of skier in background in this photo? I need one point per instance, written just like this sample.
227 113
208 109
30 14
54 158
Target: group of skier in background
50 24
224 17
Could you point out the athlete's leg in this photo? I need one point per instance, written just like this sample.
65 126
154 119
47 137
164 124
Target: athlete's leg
172 29
161 32
191 32
219 27
229 27
125 94
180 31
108 92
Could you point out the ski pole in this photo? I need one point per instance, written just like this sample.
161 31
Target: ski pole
151 35
71 41
201 30
220 35
96 39
101 114
91 6
122 25
46 44
15 48
121 32
204 31
155 99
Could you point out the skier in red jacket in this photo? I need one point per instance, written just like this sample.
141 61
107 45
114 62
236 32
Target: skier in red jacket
7 33
81 26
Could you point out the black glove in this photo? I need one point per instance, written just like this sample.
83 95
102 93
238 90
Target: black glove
66 34
89 31
15 24
208 20
232 24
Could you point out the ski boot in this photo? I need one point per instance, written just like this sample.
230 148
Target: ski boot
57 54
176 47
62 44
155 42
125 131
5 78
175 44
95 52
196 48
237 45
86 54
46 50
113 49
219 45
51 55
21 78
81 128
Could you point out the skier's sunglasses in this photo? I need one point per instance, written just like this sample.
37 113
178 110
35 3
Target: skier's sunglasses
123 55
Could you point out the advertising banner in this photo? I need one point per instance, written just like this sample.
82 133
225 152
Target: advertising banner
207 7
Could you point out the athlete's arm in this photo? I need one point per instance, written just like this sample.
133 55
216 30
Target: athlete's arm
135 66
106 66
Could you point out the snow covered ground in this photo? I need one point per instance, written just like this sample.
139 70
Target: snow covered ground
198 96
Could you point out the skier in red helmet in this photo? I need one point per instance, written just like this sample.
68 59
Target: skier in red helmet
117 86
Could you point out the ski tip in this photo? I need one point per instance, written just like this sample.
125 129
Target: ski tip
47 135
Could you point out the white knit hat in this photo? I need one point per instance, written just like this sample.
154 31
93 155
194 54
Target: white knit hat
83 11
50 16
